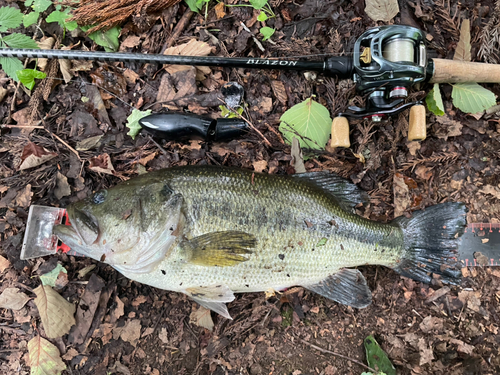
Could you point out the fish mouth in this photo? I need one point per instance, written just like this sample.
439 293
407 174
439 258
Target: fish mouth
84 224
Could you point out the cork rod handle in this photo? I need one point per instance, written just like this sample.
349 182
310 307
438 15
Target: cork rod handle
453 71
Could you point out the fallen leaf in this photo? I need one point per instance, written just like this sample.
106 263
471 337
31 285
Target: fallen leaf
259 166
139 300
131 331
56 313
297 157
402 196
462 346
47 43
423 172
3 93
279 91
219 10
426 353
12 298
191 48
34 155
118 311
492 190
382 10
88 143
163 335
70 354
4 264
130 41
462 52
62 187
452 128
202 318
130 76
23 198
44 357
431 323
102 164
51 277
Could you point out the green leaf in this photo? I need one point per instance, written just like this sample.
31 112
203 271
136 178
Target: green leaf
193 5
472 98
30 18
10 66
262 17
133 121
309 121
376 357
28 3
258 4
10 18
107 39
322 242
17 40
27 77
435 101
267 32
41 5
50 278
61 18
227 113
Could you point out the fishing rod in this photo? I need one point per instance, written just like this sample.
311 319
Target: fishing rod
387 61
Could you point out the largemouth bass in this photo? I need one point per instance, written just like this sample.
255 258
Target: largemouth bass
210 232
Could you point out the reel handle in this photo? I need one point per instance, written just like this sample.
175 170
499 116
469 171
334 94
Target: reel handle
453 71
417 129
340 132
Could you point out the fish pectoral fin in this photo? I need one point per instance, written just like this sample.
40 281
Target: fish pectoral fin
212 297
347 287
222 249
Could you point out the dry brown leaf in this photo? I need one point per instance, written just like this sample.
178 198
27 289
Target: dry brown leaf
492 190
3 93
462 52
462 346
44 357
62 187
202 318
259 166
423 172
139 300
426 353
34 155
402 196
130 41
131 331
453 128
279 91
4 264
12 298
47 43
102 164
191 48
23 198
413 147
130 76
219 10
88 143
56 313
70 354
297 157
382 10
163 335
431 323
118 311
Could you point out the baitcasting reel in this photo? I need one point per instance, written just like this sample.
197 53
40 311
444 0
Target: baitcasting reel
387 61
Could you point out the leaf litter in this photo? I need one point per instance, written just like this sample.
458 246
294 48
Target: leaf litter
422 328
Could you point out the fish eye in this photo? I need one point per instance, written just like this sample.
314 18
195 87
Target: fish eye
100 196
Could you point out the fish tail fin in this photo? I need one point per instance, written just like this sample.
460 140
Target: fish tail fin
431 240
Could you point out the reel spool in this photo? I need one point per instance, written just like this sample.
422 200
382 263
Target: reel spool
388 60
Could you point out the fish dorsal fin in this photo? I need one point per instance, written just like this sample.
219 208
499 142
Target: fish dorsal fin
212 297
347 287
346 193
221 249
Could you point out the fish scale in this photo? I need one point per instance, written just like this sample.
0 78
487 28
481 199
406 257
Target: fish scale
231 231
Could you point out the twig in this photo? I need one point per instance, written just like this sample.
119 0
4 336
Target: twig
181 25
337 354
253 36
64 143
22 126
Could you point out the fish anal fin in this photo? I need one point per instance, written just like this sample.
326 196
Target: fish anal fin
347 287
223 249
212 297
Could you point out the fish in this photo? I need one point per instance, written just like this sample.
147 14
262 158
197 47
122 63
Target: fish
210 232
